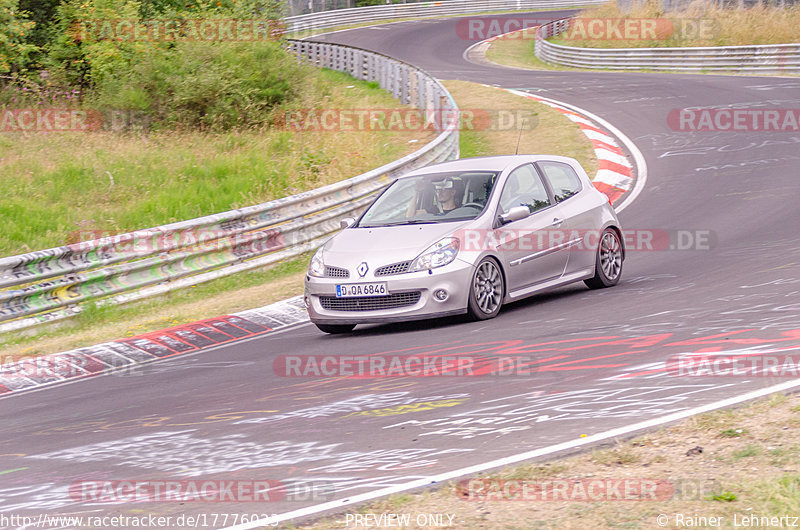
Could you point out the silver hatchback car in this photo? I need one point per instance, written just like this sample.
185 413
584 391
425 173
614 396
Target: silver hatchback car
465 237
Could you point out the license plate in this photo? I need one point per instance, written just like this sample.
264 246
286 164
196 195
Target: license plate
361 289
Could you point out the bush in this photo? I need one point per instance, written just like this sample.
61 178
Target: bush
15 50
77 57
206 85
210 85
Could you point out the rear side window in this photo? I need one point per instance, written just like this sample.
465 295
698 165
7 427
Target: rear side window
524 188
562 178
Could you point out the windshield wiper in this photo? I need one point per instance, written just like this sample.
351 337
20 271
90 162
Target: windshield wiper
398 223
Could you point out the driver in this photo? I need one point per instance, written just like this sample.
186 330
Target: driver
446 195
448 198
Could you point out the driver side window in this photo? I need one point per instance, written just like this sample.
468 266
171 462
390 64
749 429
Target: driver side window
524 188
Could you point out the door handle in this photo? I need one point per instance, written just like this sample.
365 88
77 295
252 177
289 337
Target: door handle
557 222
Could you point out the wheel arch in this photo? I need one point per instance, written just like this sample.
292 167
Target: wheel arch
499 263
618 231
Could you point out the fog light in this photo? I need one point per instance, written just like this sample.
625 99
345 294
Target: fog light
307 302
440 295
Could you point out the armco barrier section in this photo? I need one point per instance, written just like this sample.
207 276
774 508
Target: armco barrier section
766 59
314 22
51 284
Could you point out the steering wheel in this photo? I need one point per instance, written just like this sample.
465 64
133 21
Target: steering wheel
474 205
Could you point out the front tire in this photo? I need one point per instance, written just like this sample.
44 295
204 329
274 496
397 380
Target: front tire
335 329
608 263
486 291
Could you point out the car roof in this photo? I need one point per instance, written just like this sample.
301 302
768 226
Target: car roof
486 163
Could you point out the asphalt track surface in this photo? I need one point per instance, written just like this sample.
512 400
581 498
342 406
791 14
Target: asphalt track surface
224 414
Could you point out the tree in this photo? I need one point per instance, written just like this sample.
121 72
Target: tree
15 31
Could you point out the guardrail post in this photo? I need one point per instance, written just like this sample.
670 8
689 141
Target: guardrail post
121 271
396 81
406 94
420 91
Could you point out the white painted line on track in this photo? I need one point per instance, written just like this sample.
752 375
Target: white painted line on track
613 179
594 135
613 157
513 459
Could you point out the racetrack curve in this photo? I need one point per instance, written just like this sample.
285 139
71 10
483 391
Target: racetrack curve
224 413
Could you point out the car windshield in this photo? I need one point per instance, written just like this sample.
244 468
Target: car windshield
434 198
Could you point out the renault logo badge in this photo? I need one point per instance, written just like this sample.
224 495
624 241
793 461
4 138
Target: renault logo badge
362 269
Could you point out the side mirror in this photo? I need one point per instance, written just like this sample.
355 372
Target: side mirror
515 214
347 222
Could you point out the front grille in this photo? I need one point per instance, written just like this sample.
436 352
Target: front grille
394 268
336 272
369 303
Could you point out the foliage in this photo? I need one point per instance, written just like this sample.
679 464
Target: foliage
15 29
89 51
204 85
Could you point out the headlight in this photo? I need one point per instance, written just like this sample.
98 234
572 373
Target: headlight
317 266
437 255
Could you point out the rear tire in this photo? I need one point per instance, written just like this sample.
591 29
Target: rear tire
608 263
335 329
486 291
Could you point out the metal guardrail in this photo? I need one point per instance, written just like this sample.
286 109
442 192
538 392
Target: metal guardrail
359 15
51 284
767 58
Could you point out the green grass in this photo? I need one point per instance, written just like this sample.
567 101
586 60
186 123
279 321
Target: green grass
550 133
732 433
254 289
473 143
745 452
725 496
57 188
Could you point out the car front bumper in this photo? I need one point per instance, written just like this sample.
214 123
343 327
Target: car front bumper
453 278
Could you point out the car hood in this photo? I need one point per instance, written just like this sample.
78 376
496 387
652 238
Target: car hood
384 245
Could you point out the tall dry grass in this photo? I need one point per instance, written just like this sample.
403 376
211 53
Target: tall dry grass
58 187
723 26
